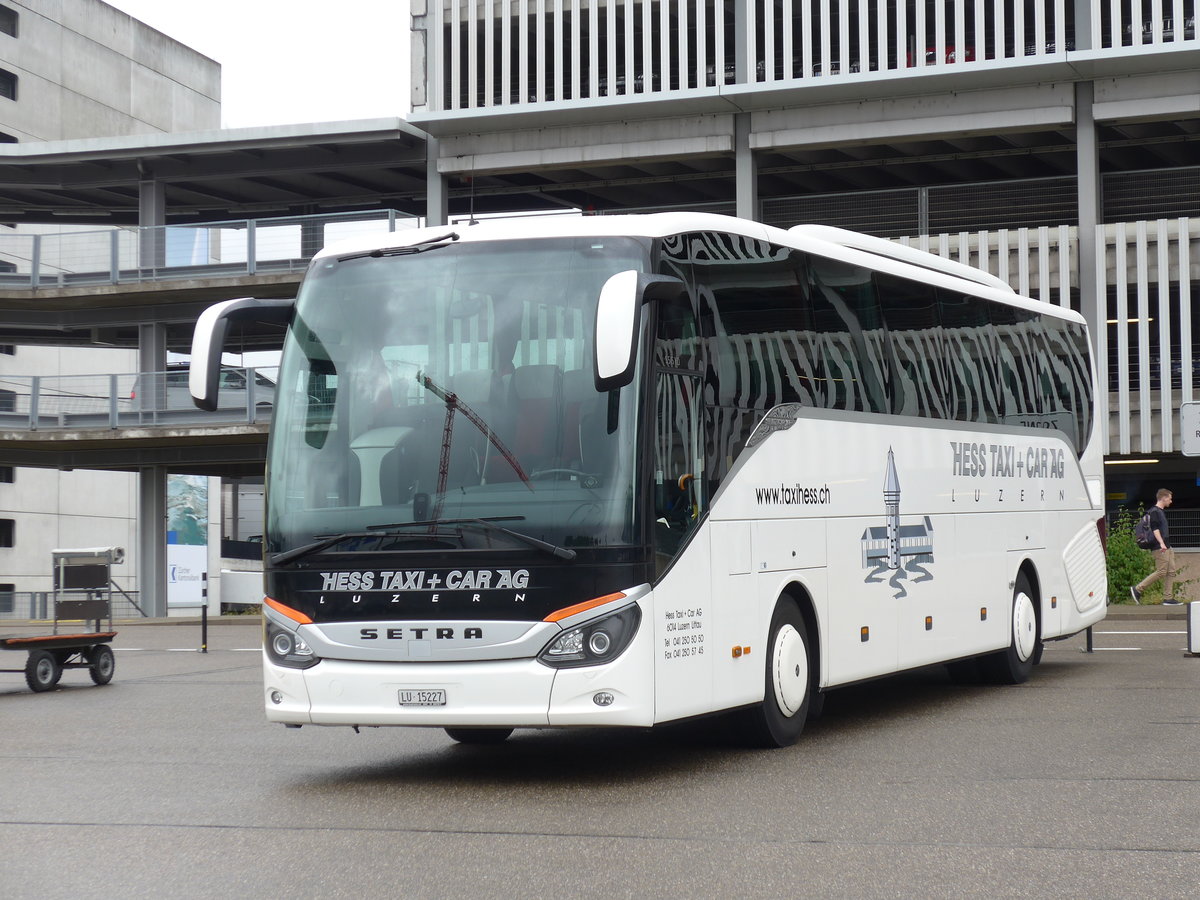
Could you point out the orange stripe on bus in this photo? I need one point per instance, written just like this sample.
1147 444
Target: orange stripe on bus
569 611
292 614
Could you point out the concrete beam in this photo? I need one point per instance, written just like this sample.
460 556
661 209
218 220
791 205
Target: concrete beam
624 143
911 118
1164 95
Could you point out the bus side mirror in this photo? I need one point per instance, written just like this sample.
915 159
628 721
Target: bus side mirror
208 340
615 346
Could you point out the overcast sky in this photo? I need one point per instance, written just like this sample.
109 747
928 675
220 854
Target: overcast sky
286 61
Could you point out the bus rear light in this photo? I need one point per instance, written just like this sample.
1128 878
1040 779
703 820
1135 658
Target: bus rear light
599 641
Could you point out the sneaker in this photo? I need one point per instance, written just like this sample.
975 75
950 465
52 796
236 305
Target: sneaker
1172 603
1136 594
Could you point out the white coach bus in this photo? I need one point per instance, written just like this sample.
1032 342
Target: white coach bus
628 470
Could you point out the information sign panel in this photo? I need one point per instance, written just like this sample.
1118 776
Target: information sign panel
1189 429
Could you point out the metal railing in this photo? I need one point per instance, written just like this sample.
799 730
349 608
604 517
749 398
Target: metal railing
1183 525
496 53
38 403
240 247
39 605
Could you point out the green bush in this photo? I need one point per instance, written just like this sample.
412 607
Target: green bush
1127 562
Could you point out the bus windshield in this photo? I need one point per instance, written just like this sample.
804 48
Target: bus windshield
450 384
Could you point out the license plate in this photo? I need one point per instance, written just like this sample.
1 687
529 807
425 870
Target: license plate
422 697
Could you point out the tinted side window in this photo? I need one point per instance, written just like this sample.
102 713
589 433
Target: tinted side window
851 336
918 385
972 354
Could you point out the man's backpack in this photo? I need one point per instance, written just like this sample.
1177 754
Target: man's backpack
1143 535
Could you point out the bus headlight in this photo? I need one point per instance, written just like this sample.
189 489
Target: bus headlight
286 648
595 643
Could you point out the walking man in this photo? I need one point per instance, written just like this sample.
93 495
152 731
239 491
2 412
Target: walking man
1164 556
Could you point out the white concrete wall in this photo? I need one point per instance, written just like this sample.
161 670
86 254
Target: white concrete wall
89 70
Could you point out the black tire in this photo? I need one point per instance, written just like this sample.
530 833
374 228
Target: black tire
788 680
816 704
42 671
1014 664
101 663
964 671
479 735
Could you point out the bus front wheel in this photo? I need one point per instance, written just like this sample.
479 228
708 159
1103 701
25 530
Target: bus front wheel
1014 664
779 720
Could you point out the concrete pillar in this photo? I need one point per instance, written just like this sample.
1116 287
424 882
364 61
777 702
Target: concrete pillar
746 171
152 220
1093 302
437 200
152 540
312 237
152 482
152 357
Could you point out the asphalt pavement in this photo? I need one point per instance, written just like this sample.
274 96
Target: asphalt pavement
169 783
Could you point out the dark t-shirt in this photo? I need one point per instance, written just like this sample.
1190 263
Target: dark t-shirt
1158 522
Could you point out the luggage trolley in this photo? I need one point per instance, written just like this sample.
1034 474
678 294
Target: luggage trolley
76 572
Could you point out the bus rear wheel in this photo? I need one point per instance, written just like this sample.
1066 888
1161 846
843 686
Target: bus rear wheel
479 735
779 719
1015 664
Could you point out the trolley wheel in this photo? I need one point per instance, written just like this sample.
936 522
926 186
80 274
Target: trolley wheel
779 719
1014 664
42 670
479 735
101 663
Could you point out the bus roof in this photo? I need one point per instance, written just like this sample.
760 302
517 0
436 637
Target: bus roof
836 243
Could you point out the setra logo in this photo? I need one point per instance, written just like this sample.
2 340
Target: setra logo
419 633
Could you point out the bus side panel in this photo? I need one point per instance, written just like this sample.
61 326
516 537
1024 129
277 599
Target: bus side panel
682 618
862 629
737 619
979 596
1082 600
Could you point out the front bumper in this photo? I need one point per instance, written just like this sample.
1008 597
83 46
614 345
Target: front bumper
503 693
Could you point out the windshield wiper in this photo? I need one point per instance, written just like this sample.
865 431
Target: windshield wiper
431 243
322 543
490 524
374 531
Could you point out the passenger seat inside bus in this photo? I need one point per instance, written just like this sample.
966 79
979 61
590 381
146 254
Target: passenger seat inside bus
579 396
535 402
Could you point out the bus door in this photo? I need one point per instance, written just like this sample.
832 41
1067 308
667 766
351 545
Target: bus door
678 474
682 614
